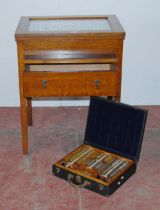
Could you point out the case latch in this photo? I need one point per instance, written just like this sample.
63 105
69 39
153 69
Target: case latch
70 180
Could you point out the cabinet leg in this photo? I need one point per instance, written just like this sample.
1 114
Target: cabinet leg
110 97
24 125
117 98
29 111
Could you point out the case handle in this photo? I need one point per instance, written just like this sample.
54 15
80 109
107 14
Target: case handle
84 184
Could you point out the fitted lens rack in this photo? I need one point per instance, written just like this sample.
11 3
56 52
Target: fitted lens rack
96 163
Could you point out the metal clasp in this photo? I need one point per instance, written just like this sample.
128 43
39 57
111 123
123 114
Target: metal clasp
44 83
97 84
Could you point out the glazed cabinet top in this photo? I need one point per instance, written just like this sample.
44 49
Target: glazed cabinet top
102 26
89 39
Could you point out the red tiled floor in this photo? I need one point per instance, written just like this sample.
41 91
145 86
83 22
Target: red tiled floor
26 182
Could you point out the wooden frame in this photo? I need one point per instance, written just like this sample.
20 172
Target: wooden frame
116 28
90 47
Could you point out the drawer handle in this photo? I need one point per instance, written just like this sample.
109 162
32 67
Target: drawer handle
97 84
44 83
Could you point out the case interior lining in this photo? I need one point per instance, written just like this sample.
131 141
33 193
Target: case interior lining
115 127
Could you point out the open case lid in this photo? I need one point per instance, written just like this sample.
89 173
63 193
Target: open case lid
115 127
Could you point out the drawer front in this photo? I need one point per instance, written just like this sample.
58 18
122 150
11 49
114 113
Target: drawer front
69 84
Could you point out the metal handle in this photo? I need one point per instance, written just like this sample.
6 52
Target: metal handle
97 84
84 184
44 83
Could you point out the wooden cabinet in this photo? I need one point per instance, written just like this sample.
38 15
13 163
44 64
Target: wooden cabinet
67 56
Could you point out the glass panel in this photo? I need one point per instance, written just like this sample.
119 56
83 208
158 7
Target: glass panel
69 25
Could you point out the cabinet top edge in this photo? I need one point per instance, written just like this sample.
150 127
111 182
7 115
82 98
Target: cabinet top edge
116 30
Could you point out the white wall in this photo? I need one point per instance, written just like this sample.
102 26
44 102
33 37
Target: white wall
141 61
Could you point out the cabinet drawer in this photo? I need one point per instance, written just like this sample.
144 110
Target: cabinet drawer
69 84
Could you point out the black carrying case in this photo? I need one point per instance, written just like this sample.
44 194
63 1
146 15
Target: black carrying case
113 127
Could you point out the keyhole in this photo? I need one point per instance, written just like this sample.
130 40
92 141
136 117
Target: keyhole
97 83
44 83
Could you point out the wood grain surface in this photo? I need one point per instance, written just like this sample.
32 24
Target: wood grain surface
50 48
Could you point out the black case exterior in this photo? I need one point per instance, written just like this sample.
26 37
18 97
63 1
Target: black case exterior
95 186
114 127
